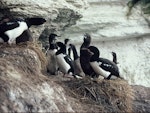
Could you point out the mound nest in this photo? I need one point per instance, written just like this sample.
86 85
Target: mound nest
107 95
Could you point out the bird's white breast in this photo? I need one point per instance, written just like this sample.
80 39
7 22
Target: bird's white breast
14 33
51 52
99 70
63 65
52 62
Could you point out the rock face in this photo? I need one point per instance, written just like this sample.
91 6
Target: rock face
111 30
59 14
141 102
105 20
24 88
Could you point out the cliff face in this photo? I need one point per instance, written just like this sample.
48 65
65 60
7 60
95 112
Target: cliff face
141 102
59 14
111 30
25 86
105 20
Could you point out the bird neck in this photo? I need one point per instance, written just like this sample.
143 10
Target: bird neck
115 58
85 45
28 23
53 46
93 58
75 54
61 50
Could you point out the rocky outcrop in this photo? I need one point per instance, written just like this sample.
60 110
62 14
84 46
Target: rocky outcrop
25 86
105 20
59 14
141 102
111 30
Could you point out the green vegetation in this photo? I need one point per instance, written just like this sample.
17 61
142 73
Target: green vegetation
145 6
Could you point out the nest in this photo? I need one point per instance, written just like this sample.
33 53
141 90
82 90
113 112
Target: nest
108 95
26 45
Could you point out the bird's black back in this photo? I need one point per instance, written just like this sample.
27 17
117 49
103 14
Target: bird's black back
108 65
34 21
70 62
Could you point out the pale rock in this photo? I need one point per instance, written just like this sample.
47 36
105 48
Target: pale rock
104 20
111 30
58 13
